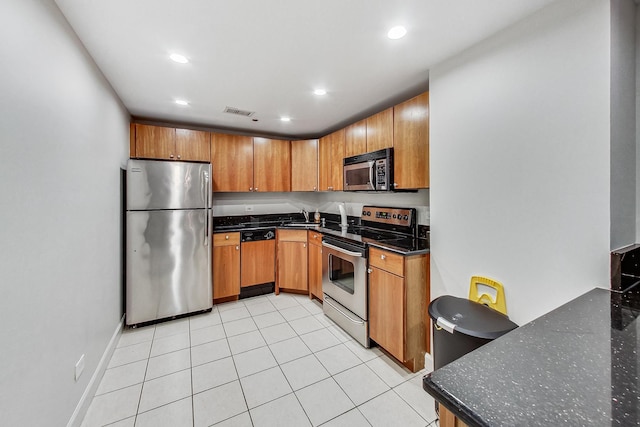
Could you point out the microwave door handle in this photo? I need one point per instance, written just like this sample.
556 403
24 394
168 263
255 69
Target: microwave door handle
372 174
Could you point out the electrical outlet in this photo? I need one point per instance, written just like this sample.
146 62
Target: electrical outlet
79 367
248 208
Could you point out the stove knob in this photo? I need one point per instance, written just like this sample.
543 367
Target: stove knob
369 213
394 216
406 217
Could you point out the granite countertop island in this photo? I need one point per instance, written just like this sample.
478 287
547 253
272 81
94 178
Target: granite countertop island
575 366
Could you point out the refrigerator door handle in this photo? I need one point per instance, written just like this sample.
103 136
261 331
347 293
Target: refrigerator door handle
205 184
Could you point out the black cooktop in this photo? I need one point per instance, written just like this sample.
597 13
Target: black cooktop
368 235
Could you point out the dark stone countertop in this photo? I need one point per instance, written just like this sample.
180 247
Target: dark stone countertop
574 366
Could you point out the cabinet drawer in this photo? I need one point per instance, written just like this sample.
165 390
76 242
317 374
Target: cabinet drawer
226 239
387 261
292 235
315 238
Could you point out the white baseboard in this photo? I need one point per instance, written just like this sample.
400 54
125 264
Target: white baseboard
90 391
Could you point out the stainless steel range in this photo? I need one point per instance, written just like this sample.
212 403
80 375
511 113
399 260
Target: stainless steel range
344 263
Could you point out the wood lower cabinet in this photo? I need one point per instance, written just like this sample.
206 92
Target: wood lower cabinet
447 419
411 143
257 262
291 260
398 295
226 265
330 156
315 264
304 165
232 162
380 130
164 143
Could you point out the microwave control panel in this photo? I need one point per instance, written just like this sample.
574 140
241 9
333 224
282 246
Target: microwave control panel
381 174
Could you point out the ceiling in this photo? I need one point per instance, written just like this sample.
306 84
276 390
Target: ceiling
269 56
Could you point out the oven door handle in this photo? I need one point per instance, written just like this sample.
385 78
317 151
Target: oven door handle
342 251
328 300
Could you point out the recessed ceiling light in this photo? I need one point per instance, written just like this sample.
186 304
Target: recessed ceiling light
397 32
181 59
182 102
285 119
320 92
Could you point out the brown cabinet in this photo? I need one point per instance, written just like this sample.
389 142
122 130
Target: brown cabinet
257 264
271 165
226 265
242 163
331 154
411 143
355 139
157 142
304 165
315 264
380 130
291 261
398 295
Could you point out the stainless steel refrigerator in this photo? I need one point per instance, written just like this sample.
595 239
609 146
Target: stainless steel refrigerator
168 259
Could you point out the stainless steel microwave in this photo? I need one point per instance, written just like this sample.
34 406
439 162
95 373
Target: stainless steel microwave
370 171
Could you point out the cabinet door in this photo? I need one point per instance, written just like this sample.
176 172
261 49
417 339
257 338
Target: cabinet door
271 165
337 157
193 145
304 165
411 143
315 270
258 262
355 136
380 130
232 162
155 142
324 163
386 311
226 271
292 265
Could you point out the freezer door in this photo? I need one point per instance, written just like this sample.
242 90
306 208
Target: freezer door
154 184
168 264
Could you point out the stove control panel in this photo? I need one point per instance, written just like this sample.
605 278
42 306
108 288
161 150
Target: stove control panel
386 215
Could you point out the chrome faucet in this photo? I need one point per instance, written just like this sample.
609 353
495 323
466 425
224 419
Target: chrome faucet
306 215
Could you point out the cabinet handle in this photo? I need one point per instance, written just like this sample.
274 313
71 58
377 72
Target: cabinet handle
237 248
178 156
250 188
304 245
395 184
369 270
255 189
383 257
314 188
171 156
226 237
330 188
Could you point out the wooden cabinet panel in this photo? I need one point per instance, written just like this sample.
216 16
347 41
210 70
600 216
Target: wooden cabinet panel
324 163
154 142
292 266
388 261
292 235
232 162
257 262
411 143
304 165
386 311
226 265
355 136
132 140
193 145
380 130
315 264
331 155
271 165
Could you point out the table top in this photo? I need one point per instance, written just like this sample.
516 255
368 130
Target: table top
574 366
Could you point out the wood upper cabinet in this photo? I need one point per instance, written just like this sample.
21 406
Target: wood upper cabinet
355 138
257 262
304 165
157 142
380 130
271 165
232 162
411 143
315 264
226 265
331 156
291 271
398 296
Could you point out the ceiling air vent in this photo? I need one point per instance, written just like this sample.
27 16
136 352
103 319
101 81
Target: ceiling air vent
239 112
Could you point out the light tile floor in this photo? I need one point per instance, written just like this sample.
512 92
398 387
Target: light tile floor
263 361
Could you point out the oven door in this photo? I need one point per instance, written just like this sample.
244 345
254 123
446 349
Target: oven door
344 277
360 176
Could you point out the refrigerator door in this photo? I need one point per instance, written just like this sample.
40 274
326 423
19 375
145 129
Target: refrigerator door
153 184
168 264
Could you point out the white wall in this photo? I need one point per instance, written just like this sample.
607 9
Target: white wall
623 123
64 138
520 160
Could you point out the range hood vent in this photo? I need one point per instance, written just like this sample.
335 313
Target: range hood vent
238 112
